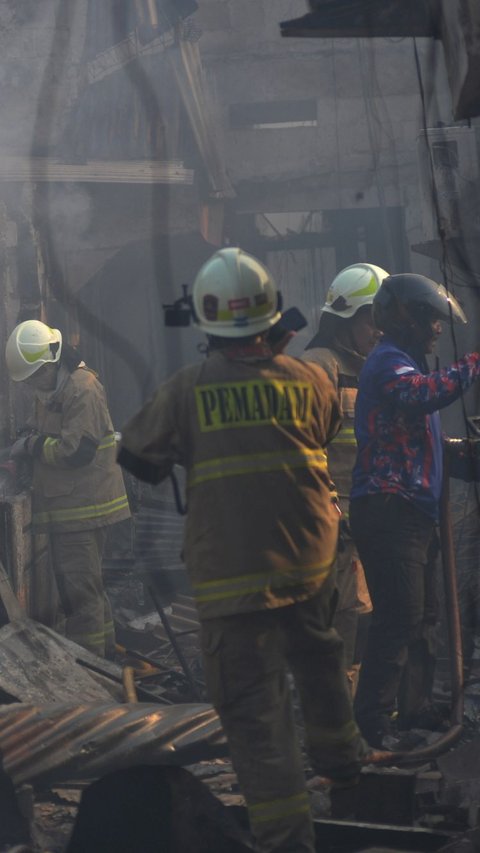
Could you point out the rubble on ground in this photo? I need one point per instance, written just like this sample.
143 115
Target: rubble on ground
54 754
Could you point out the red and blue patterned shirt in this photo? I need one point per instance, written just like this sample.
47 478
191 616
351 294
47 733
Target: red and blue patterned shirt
397 424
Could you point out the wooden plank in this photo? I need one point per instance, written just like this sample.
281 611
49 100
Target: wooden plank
39 666
46 169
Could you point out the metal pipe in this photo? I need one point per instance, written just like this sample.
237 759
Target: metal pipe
128 681
152 13
173 641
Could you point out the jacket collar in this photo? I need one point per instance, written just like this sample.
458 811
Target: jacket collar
251 352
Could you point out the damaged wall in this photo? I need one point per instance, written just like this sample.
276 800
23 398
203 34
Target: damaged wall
332 129
62 114
305 125
314 158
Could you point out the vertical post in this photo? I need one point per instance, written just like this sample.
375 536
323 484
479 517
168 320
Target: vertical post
451 599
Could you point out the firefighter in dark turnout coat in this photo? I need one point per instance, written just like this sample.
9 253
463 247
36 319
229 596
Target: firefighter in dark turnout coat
395 498
251 429
345 336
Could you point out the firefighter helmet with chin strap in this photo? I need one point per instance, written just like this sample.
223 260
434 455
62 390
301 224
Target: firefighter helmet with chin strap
410 298
353 287
31 345
234 295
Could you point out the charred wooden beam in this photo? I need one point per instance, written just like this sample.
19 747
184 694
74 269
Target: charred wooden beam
50 743
48 169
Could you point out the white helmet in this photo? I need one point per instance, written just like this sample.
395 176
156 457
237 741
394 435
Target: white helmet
31 345
234 295
352 288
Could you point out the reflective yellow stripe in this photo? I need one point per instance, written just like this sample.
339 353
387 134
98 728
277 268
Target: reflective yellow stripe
48 450
368 290
82 513
108 441
253 583
96 638
231 466
109 632
32 357
278 809
50 444
345 436
226 315
334 737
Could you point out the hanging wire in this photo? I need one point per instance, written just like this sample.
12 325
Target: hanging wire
99 328
445 263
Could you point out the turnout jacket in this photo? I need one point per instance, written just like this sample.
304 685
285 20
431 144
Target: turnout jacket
397 424
343 367
77 483
261 528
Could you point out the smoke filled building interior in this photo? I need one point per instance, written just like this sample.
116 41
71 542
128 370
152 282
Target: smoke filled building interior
138 138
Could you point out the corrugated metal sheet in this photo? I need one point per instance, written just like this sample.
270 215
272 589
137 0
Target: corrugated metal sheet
45 745
159 537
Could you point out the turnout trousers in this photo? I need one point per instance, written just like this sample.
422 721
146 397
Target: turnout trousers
346 614
353 604
246 659
397 544
77 566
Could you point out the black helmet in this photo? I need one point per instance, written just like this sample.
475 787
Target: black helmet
412 297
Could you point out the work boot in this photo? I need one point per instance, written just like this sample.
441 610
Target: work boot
343 792
350 780
377 756
375 729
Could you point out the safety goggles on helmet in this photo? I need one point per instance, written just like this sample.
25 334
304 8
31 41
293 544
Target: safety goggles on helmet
414 295
31 345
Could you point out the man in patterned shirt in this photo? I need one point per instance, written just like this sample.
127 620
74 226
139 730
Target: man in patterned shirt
395 497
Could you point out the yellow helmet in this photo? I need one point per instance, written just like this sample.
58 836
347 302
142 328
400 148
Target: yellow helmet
31 345
234 295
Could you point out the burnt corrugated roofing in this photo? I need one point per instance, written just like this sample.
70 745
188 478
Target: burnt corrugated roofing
42 745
